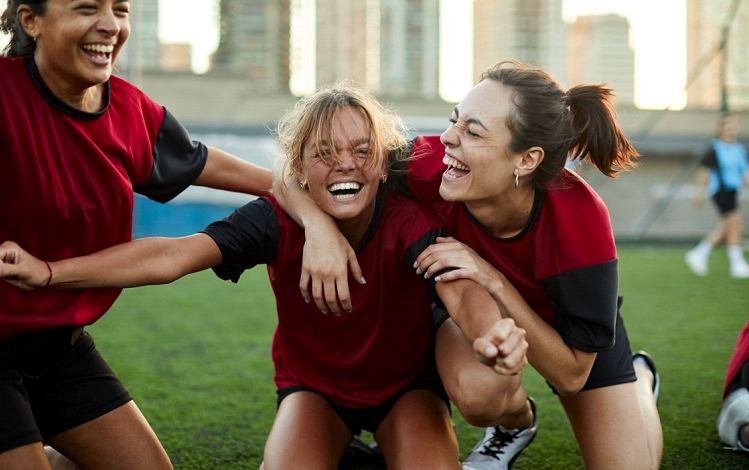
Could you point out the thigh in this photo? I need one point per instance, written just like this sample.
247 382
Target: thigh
306 434
418 434
611 428
26 457
482 396
121 439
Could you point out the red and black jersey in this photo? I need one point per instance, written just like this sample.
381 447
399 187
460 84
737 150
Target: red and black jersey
67 182
739 356
563 263
359 359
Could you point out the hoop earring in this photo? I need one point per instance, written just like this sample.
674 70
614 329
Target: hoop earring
384 178
516 180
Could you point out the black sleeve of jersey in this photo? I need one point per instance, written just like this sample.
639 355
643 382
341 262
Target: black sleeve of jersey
413 252
246 238
585 305
177 161
710 160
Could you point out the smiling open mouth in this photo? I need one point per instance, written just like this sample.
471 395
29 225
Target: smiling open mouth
98 51
344 190
455 169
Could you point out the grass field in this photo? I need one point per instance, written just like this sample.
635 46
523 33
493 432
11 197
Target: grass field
195 356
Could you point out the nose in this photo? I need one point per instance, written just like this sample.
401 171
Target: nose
109 23
449 138
347 161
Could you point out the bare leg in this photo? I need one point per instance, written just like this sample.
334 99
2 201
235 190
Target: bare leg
306 434
28 457
483 397
418 434
619 426
732 228
119 440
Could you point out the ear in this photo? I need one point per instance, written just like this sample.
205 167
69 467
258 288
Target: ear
530 160
385 167
301 176
28 20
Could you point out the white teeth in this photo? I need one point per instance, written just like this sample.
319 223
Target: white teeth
99 48
344 186
449 161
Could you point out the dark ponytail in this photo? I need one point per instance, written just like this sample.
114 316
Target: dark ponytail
20 44
579 124
596 135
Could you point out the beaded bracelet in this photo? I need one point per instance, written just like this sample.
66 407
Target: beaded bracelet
49 279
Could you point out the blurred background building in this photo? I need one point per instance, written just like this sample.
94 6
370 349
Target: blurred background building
254 43
599 52
269 52
715 72
531 31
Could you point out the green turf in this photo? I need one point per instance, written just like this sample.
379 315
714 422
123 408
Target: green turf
195 356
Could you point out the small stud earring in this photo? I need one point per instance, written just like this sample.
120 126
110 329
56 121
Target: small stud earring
303 184
384 178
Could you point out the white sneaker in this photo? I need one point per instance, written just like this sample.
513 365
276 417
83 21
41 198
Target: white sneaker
647 359
740 270
499 447
733 415
697 263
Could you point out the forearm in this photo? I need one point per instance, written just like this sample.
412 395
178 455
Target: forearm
140 262
564 367
470 307
230 173
700 181
296 201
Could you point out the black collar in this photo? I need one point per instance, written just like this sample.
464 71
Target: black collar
57 103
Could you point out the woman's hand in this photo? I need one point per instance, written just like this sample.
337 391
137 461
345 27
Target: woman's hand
503 348
21 269
326 261
467 264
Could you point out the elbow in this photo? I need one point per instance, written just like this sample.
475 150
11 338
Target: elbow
571 384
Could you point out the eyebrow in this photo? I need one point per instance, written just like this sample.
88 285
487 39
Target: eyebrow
470 121
363 140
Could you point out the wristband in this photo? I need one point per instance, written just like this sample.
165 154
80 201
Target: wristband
49 279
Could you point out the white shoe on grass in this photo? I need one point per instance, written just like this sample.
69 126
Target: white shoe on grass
499 447
740 270
697 263
733 416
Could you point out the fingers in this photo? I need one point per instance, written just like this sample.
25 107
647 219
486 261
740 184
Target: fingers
304 283
503 348
353 265
328 294
441 256
331 301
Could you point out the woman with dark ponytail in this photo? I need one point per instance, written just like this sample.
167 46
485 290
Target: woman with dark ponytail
77 143
540 240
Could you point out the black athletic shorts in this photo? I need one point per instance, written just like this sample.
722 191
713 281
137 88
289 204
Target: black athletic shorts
48 385
726 200
369 419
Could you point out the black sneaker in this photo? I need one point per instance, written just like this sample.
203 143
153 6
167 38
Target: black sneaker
499 447
356 455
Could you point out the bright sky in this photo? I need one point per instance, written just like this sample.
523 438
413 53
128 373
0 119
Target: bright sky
658 36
